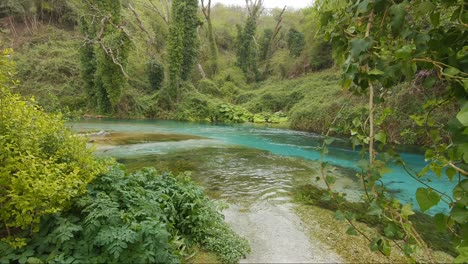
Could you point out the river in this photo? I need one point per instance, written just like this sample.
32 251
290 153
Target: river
248 160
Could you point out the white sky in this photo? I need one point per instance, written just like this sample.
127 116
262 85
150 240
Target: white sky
268 3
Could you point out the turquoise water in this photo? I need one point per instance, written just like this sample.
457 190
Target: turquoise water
277 141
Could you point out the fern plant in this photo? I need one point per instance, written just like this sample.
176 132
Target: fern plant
144 217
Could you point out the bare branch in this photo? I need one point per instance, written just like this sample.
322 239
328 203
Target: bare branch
140 24
165 17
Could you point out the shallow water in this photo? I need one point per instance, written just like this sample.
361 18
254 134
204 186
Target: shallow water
244 160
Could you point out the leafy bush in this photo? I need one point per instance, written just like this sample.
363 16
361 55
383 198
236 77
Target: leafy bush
228 113
233 74
43 165
206 86
155 71
144 217
229 91
49 70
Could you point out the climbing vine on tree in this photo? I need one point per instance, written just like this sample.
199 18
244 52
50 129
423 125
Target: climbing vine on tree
381 43
247 51
104 53
183 44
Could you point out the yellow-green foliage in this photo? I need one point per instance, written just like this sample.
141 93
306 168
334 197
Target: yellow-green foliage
42 164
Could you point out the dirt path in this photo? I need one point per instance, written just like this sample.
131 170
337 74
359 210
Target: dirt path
276 235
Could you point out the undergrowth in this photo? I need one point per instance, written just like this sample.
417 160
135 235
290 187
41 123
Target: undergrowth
143 217
425 224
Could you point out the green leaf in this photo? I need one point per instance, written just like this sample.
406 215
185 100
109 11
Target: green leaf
450 172
381 136
404 52
451 71
462 116
429 82
329 140
374 209
440 221
325 17
376 72
391 230
330 180
398 17
363 164
351 231
435 19
463 255
425 8
362 7
427 198
339 215
460 192
407 210
359 46
459 214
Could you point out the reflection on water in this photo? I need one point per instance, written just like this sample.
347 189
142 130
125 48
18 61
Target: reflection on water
245 171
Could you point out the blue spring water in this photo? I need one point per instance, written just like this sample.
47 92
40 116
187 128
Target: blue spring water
285 143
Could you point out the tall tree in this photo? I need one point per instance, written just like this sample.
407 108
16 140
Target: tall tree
104 54
183 44
247 53
213 67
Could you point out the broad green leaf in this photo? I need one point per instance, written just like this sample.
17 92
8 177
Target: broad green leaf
363 164
465 85
330 180
427 198
404 52
462 116
460 192
376 72
329 140
386 248
451 71
362 7
381 136
462 255
390 230
351 231
374 209
429 82
339 215
450 172
440 221
359 46
397 11
425 8
459 214
435 19
407 210
325 17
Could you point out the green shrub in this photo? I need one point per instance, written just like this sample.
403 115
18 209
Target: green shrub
233 74
43 165
229 91
228 113
49 70
207 86
194 107
144 217
155 72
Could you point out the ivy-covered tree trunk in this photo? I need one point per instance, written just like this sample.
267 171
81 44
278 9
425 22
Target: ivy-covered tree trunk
213 63
247 53
104 54
183 45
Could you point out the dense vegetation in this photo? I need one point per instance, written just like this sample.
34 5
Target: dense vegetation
403 66
59 203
